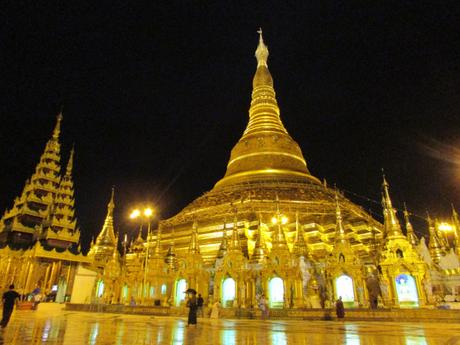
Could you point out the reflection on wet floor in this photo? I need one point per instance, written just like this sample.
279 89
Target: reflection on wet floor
69 328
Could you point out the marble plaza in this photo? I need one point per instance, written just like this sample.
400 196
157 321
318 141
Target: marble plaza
53 325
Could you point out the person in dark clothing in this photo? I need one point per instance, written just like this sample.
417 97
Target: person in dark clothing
192 305
9 299
339 308
199 304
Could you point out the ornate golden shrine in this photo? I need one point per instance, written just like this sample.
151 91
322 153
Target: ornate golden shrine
39 238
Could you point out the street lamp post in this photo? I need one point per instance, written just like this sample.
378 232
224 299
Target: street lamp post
146 214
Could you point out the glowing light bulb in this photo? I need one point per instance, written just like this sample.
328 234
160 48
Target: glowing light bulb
148 212
134 214
445 226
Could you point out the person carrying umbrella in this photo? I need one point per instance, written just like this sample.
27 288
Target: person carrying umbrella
193 307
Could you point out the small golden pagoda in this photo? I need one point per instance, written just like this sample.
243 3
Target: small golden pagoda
344 268
106 242
403 270
39 237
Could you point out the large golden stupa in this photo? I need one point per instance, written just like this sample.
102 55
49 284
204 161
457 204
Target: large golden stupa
267 175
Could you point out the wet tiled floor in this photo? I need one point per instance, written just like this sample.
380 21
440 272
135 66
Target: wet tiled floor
52 326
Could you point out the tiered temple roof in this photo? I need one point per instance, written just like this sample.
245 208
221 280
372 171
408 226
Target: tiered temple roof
45 209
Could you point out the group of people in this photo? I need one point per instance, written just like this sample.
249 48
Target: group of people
196 304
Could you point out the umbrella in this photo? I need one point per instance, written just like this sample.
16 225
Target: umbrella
192 291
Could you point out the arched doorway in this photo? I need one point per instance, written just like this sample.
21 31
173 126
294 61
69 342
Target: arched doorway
344 288
228 292
124 293
181 286
276 292
99 289
406 290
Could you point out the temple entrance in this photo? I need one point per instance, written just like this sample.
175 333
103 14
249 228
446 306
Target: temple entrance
228 292
124 293
61 292
181 286
406 290
276 293
99 289
344 289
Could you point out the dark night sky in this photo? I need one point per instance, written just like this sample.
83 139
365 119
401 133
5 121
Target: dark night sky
155 96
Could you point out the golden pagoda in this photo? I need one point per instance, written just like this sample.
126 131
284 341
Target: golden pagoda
403 272
344 268
268 185
39 237
106 242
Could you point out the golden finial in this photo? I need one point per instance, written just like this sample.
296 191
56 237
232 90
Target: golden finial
261 51
70 162
57 129
340 231
111 204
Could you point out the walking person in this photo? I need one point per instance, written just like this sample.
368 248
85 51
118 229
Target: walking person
339 308
263 306
215 310
199 304
36 300
10 298
192 305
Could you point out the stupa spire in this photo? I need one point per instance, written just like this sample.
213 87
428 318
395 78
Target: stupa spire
235 242
340 236
106 242
391 222
194 244
258 255
300 246
57 128
279 238
410 234
261 51
224 244
69 167
170 258
434 244
266 150
456 222
157 249
107 235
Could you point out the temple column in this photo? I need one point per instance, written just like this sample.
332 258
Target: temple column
298 298
30 271
45 281
8 279
420 291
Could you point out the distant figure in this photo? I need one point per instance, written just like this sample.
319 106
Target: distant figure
339 308
263 306
10 298
215 310
132 302
373 287
192 305
199 305
36 300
